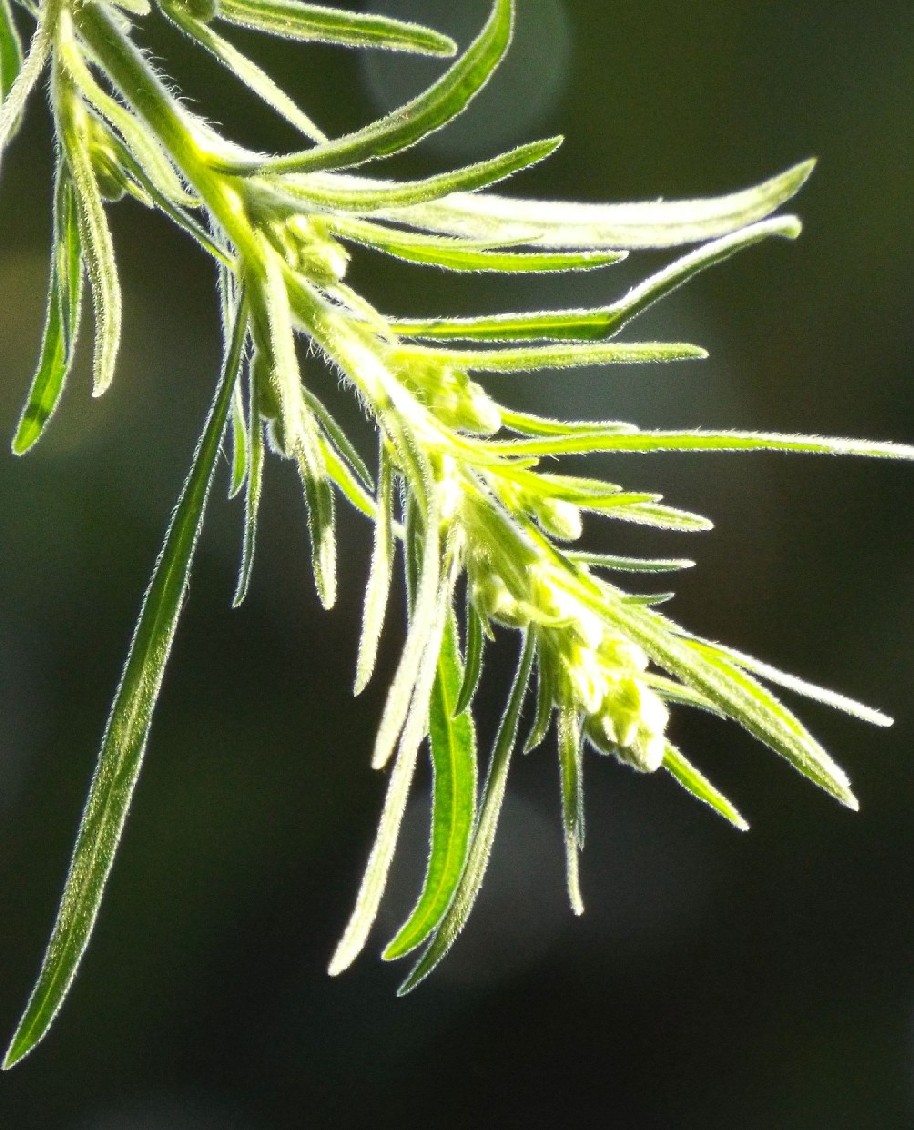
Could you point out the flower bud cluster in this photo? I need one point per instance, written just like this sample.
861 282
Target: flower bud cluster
449 393
590 666
308 247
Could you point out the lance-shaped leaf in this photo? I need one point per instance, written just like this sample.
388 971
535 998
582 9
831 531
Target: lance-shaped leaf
466 255
419 117
530 358
698 440
245 69
798 686
10 50
700 787
58 344
571 773
604 321
97 247
22 77
526 423
378 866
646 511
555 223
293 20
734 692
301 433
253 482
475 643
128 727
333 193
484 834
545 703
622 564
409 669
377 591
452 738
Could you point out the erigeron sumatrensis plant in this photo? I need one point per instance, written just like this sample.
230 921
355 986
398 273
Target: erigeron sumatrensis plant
464 490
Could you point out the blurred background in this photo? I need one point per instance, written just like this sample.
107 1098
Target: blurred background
758 981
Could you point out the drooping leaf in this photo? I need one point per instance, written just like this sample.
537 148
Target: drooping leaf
253 483
571 774
375 878
409 669
23 78
58 344
10 50
97 247
475 643
484 835
240 449
452 737
126 733
377 591
700 787
291 19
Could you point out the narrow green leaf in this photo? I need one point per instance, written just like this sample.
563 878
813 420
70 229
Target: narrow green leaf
526 423
253 484
571 773
419 117
555 223
337 436
644 442
484 835
127 730
96 245
631 508
700 787
629 564
302 439
58 344
604 321
735 693
672 691
377 591
378 866
240 449
414 648
545 703
349 194
293 20
10 50
534 357
452 738
475 642
245 69
23 78
798 686
467 255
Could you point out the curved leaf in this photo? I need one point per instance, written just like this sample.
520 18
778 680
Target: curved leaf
452 738
127 731
293 20
441 103
484 836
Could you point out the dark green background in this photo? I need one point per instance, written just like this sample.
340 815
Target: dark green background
761 981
